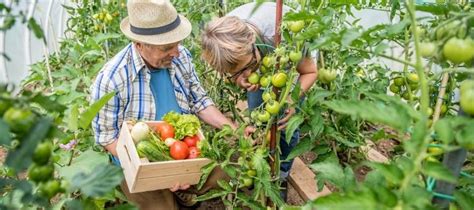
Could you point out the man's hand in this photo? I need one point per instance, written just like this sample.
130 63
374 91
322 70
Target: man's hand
177 187
288 113
112 148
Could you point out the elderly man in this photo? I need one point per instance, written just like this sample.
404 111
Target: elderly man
152 76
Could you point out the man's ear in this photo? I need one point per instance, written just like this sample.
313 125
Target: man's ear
138 45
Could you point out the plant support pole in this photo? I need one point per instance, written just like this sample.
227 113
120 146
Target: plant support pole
273 130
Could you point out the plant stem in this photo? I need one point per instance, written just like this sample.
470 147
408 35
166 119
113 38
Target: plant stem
384 56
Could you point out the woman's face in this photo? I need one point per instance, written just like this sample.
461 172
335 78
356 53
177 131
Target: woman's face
248 64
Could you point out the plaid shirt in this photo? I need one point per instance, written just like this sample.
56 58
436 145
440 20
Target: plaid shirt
127 74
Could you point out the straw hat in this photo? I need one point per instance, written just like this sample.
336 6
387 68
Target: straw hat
154 22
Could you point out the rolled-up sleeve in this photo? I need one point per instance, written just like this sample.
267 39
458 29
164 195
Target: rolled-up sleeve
106 124
199 96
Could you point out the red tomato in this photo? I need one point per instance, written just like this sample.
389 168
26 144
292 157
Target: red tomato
164 130
179 150
193 152
191 141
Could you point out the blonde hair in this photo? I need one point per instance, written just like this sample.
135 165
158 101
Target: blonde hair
225 41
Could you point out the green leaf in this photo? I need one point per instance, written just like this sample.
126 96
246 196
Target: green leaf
103 37
32 25
87 116
230 170
393 116
317 125
206 171
224 184
438 171
391 172
380 48
349 36
464 199
102 179
416 196
84 163
305 145
72 119
293 124
385 196
415 143
48 104
211 194
295 95
5 138
331 171
397 28
444 130
20 158
249 202
359 200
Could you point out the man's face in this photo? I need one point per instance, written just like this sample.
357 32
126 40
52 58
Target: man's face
158 56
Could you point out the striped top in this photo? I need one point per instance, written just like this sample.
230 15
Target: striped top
129 77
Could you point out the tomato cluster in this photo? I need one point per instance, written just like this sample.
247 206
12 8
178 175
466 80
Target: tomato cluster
249 173
272 75
103 18
405 86
450 41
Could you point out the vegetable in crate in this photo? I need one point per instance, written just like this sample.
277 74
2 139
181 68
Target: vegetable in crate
164 130
140 131
153 150
184 124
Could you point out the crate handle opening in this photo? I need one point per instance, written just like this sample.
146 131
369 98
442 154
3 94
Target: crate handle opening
126 151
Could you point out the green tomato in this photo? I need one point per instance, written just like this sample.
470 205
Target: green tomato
42 153
4 106
394 88
279 79
40 173
268 95
265 81
458 50
20 120
280 51
251 173
296 26
295 56
254 115
326 76
398 81
253 78
247 181
467 100
268 61
50 188
284 60
427 49
272 107
413 78
263 116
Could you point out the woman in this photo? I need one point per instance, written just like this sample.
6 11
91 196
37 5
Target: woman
234 46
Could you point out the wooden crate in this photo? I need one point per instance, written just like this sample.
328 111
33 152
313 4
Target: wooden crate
142 175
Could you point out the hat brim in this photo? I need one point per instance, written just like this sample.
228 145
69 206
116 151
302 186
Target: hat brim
173 36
